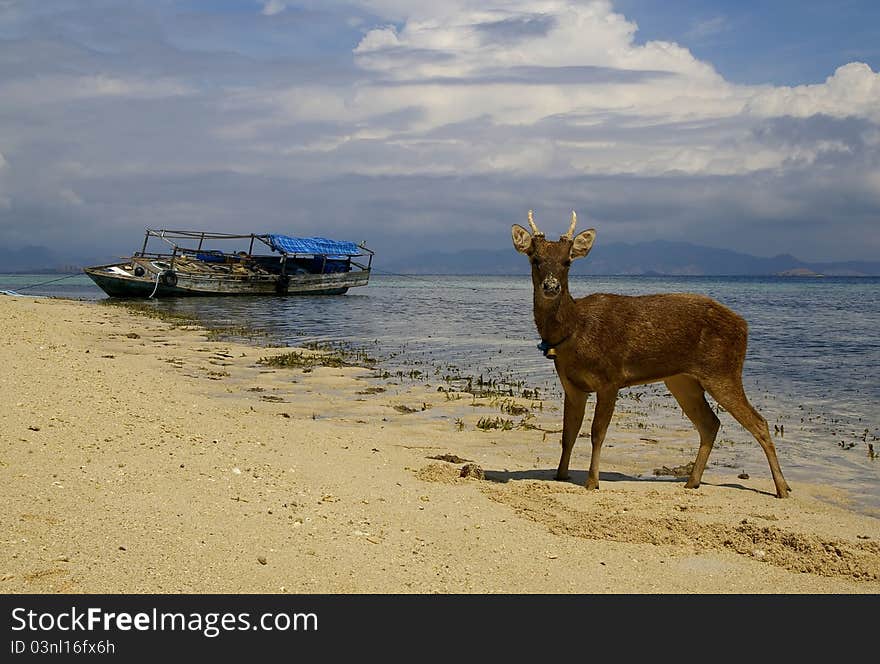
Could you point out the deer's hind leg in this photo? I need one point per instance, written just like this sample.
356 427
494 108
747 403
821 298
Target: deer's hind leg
692 399
605 402
731 396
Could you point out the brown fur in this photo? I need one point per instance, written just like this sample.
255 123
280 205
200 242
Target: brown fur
605 342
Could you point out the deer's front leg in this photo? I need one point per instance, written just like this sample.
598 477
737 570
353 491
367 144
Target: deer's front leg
605 401
572 418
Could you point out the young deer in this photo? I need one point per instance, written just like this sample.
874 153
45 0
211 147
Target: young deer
602 343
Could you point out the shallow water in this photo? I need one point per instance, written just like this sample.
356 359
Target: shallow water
811 365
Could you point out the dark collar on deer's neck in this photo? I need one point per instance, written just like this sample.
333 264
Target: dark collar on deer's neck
549 348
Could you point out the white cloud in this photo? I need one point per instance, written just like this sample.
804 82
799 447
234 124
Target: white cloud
449 65
377 39
516 68
551 34
853 89
708 27
49 89
272 7
70 197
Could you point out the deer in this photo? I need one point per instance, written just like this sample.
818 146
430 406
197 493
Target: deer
605 342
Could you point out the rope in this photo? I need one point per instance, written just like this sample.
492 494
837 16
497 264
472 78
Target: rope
408 276
51 281
156 287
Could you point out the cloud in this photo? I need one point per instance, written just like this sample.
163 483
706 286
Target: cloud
272 7
710 27
853 90
70 197
559 34
516 28
51 89
410 117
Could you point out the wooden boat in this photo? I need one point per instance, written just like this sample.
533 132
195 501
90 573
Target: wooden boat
291 266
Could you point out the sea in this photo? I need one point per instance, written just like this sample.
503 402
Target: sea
811 368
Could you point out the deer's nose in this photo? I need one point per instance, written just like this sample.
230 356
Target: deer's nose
551 285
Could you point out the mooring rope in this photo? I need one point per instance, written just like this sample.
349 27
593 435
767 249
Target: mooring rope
51 281
423 278
156 287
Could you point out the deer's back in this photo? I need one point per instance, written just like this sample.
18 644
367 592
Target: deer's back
648 337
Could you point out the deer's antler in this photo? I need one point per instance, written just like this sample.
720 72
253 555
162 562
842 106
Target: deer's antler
535 230
570 233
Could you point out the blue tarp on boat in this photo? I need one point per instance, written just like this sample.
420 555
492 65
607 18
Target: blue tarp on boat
313 245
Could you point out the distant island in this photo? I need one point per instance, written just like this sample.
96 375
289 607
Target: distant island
658 258
799 272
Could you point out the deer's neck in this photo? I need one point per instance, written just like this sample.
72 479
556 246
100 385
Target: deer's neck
555 318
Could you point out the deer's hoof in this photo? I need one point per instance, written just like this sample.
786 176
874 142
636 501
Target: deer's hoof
592 484
690 484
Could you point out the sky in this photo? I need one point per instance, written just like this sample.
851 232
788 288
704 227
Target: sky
419 127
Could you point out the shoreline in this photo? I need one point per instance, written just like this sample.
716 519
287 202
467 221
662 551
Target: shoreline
144 457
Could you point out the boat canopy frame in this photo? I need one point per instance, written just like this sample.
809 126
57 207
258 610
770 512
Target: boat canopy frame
349 250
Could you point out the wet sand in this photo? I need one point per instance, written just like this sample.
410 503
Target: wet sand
142 456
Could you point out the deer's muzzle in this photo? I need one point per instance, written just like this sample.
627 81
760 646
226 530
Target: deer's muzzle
551 286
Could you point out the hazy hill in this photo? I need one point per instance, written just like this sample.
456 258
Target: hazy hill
645 258
660 257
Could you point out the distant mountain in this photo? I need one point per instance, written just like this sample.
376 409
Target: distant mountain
660 257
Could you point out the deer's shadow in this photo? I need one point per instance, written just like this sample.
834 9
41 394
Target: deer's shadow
579 477
549 475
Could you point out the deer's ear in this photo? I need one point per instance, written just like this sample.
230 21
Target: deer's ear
582 243
522 239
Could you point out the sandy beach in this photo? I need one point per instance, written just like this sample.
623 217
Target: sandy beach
143 456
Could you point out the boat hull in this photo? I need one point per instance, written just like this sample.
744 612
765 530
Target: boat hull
118 282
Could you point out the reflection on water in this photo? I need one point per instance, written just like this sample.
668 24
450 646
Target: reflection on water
813 346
